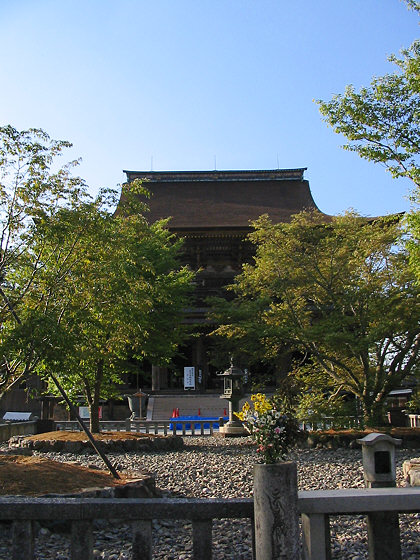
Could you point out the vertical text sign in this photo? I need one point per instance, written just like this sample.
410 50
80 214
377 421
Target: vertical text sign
189 377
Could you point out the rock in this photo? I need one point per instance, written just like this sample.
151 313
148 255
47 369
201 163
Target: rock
411 471
312 441
17 451
71 446
414 477
331 443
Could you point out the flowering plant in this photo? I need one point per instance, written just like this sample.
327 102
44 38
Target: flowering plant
271 426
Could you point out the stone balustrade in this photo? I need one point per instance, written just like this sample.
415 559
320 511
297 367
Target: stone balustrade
315 508
175 426
414 420
81 513
331 422
11 429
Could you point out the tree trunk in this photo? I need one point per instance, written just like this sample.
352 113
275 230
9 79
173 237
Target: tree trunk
94 418
373 414
94 404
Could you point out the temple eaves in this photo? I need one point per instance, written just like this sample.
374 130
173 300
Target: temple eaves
204 200
242 175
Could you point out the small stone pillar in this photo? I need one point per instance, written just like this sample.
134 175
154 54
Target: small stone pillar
276 516
378 454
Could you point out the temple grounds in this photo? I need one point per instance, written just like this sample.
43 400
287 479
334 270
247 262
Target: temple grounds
209 467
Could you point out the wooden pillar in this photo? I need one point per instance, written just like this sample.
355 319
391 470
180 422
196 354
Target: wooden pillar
159 378
155 378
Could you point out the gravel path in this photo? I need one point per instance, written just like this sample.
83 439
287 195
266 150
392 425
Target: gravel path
216 467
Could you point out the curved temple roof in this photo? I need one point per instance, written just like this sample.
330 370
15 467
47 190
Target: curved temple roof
224 199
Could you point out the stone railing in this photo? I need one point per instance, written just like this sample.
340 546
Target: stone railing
329 422
175 427
315 508
414 420
81 513
17 429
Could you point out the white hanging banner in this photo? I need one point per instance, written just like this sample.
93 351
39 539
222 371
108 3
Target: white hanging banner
189 377
85 414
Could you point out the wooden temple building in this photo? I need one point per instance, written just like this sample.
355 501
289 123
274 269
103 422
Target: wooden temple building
212 211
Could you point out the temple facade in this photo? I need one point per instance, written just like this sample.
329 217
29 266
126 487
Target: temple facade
213 211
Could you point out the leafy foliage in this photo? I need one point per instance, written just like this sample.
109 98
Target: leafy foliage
382 121
32 196
413 237
89 286
123 296
413 5
339 291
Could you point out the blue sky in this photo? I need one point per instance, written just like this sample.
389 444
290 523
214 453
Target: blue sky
199 84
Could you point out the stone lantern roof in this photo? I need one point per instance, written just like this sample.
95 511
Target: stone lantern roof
233 371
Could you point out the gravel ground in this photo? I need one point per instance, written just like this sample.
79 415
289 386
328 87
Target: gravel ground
211 467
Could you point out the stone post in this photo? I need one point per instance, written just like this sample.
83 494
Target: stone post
378 453
276 515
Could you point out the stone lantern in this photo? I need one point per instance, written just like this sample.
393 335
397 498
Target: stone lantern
233 391
378 454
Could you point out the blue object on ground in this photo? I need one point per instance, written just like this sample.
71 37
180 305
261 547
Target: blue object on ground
214 420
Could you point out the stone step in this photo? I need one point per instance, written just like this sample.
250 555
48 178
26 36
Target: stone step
161 406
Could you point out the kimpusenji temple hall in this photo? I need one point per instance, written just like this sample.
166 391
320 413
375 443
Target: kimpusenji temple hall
212 211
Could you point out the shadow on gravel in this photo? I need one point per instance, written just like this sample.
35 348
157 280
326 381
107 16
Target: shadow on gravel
222 448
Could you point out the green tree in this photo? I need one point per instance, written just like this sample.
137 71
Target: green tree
382 124
339 291
110 287
31 196
413 238
82 287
